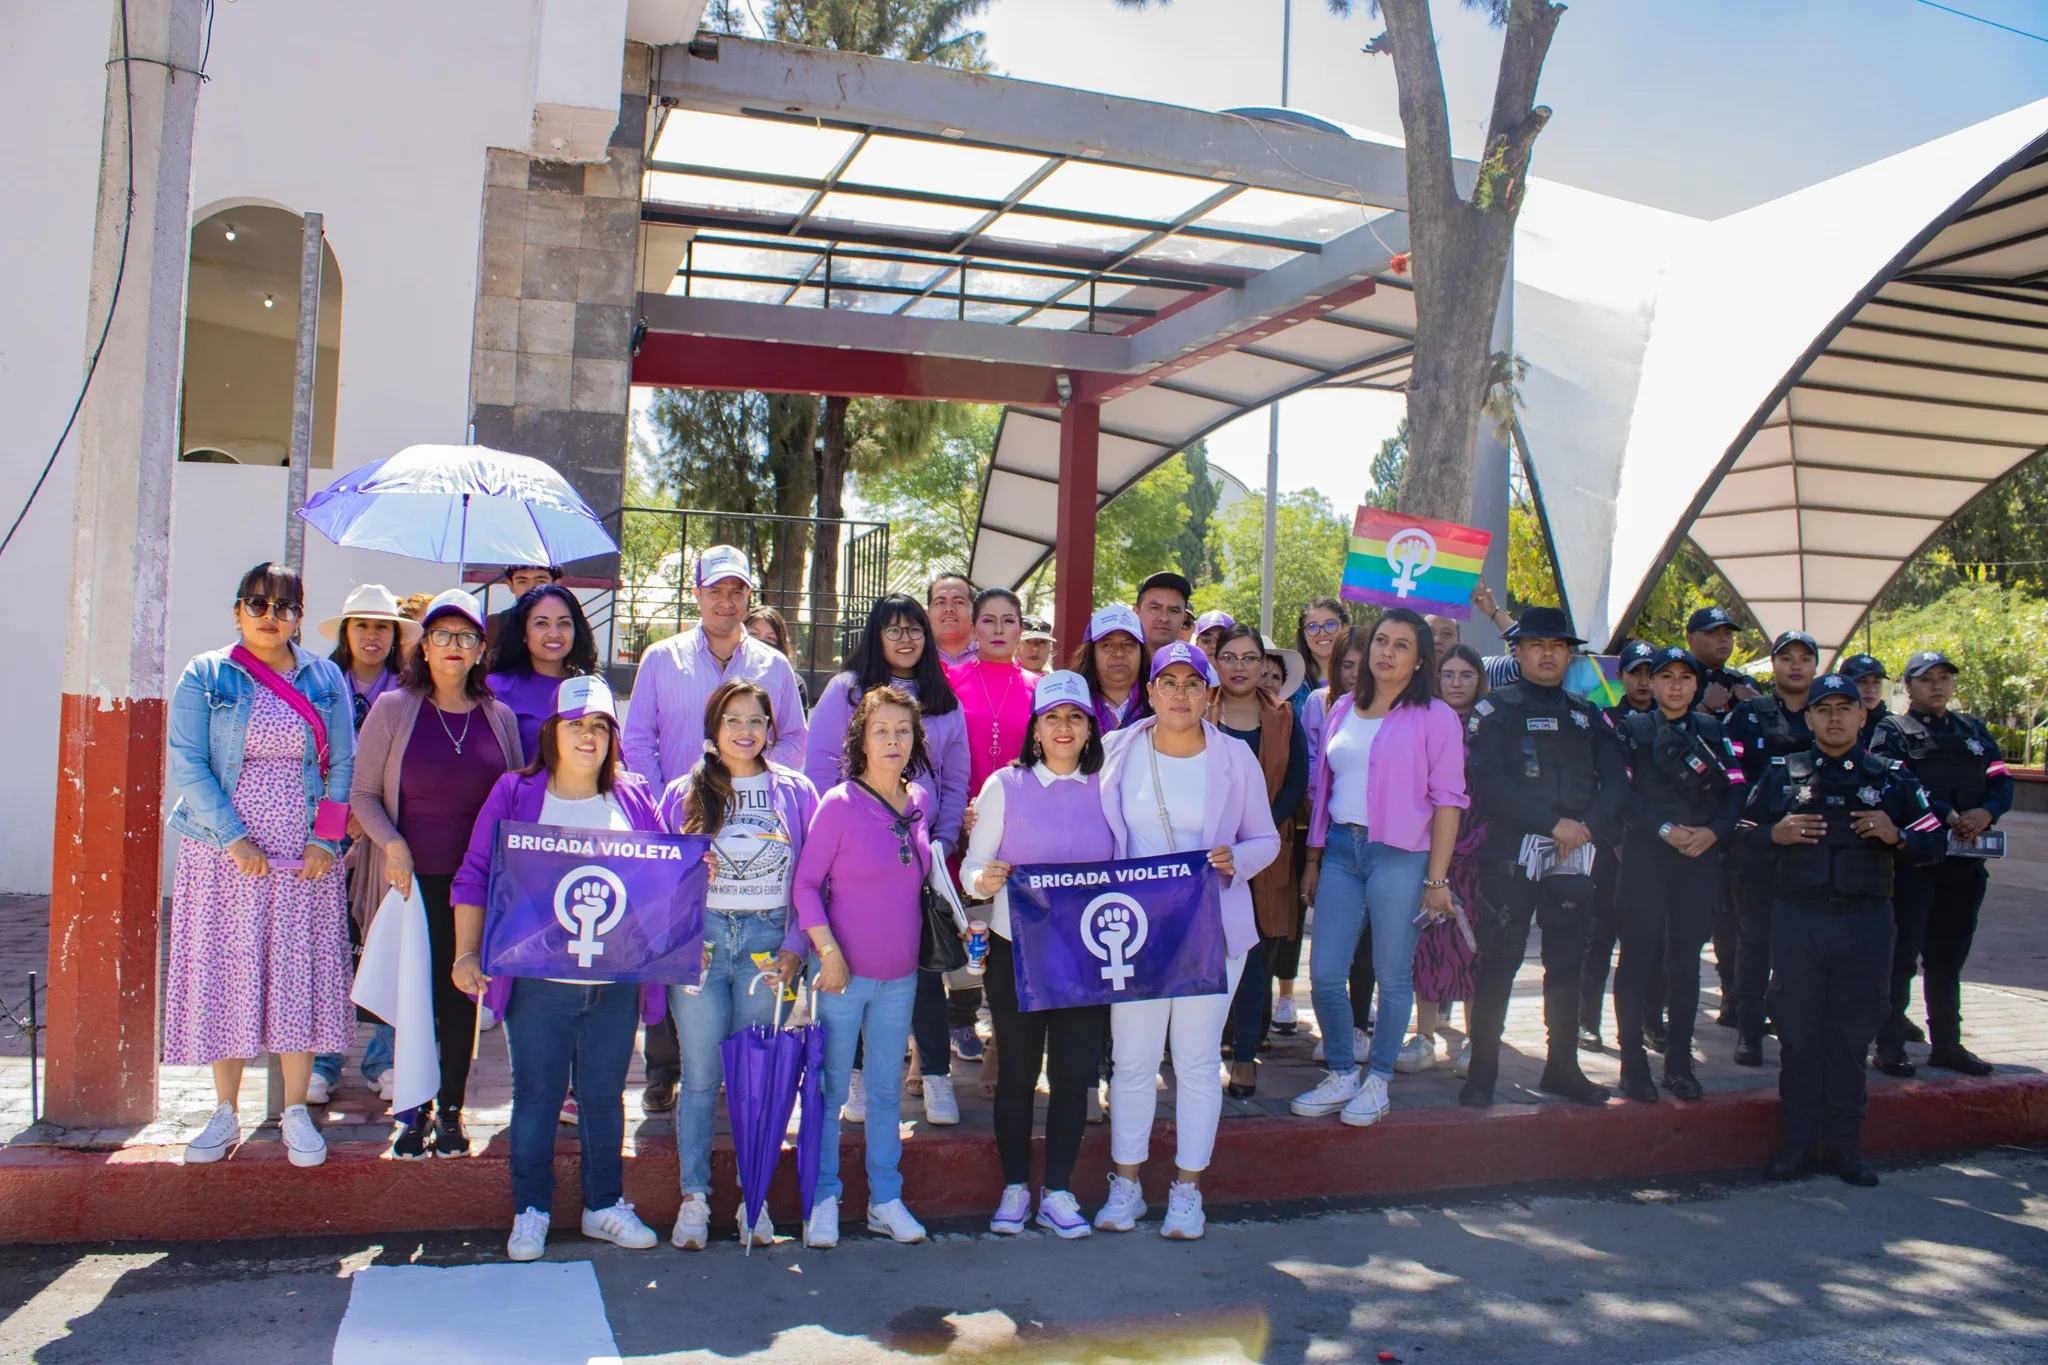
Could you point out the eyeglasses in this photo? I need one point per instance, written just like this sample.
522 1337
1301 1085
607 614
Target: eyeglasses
896 635
741 724
1248 659
1185 686
1322 627
466 639
274 608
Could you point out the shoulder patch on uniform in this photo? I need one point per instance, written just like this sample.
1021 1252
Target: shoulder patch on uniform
1579 719
1482 707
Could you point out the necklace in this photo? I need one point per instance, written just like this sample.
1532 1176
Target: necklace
453 738
995 733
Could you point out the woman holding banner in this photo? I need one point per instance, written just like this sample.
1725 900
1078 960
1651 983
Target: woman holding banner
1173 783
1044 808
898 649
545 639
1384 819
261 745
575 781
756 813
425 762
857 893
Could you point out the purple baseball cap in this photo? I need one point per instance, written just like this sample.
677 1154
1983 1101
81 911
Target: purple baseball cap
1212 620
1181 652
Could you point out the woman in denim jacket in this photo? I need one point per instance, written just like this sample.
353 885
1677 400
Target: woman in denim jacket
259 958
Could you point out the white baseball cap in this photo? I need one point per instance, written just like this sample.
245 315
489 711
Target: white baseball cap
586 696
1061 687
1113 618
721 562
458 601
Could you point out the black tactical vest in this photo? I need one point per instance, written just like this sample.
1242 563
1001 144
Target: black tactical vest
1943 762
1550 746
1781 734
1843 863
1679 773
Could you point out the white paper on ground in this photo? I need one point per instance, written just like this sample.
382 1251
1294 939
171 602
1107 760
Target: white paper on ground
395 982
543 1313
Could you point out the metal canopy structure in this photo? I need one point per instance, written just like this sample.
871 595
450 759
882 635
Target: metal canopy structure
1126 275
1811 390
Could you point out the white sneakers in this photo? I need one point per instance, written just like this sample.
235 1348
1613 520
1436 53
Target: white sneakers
941 1105
1013 1210
222 1132
1332 1093
894 1220
763 1233
529 1239
1124 1207
386 1079
1369 1105
618 1225
855 1110
1285 1015
302 1140
1184 1218
1417 1054
1060 1213
692 1231
1464 1067
823 1228
318 1091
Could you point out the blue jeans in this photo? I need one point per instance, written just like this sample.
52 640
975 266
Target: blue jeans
880 1012
376 1057
553 1027
720 1008
1361 881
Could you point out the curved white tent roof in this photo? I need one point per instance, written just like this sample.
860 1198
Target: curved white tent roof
1809 389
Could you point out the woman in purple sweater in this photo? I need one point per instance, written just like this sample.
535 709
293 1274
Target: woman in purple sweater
1044 808
856 895
898 649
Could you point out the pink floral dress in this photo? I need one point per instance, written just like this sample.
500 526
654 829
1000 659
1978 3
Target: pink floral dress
259 964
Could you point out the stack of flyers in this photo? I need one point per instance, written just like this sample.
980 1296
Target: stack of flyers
1540 859
1989 844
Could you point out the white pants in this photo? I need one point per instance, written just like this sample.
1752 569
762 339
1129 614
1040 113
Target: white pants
1138 1033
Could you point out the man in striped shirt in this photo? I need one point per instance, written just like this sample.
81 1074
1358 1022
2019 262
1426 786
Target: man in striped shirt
664 731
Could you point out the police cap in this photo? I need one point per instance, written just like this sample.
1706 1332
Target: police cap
1929 658
1796 637
1675 654
1833 685
1709 618
1638 654
1861 666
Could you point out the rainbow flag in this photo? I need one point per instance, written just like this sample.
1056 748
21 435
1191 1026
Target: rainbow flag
1398 560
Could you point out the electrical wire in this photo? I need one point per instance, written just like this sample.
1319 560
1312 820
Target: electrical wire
1978 18
92 365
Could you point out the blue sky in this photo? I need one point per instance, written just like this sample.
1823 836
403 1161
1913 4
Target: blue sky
1703 107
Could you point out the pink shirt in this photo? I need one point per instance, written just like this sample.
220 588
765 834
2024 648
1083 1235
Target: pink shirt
852 876
1418 765
996 699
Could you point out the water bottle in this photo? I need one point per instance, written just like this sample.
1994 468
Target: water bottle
977 947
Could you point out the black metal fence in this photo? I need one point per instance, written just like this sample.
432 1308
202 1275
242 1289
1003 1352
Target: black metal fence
658 545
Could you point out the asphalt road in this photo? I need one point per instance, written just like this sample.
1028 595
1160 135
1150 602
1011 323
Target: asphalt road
1943 1263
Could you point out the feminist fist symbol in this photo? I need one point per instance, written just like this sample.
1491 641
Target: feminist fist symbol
1113 929
589 903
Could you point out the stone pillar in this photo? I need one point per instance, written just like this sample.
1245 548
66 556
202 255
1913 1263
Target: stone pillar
552 351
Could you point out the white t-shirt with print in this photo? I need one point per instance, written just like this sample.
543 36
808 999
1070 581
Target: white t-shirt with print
753 851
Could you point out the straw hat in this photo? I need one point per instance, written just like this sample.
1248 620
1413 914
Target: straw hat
372 602
1291 661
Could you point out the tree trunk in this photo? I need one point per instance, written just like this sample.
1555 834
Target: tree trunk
831 465
1459 247
793 476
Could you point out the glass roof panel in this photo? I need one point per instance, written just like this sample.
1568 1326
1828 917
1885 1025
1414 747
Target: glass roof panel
739 260
939 306
859 300
940 167
666 187
1087 187
1058 319
993 312
1014 286
1302 217
1061 232
693 138
1209 251
729 289
857 270
914 215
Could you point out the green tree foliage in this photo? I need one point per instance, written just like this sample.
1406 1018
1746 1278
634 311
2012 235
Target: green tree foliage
1310 545
1141 530
1191 549
1690 581
931 503
1998 637
911 30
1389 467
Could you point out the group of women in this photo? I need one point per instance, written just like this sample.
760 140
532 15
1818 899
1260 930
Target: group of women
1353 801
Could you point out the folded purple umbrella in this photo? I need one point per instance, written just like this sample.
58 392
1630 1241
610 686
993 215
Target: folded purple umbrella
763 1068
810 1128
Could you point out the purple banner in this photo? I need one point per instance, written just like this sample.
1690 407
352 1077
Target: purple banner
595 905
1098 933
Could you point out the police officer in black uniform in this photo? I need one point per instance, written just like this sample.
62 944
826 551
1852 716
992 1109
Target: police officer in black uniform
1867 672
1957 760
1762 729
1834 820
1685 796
1636 658
1710 635
1547 766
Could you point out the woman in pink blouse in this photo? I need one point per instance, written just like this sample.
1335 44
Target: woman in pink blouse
994 692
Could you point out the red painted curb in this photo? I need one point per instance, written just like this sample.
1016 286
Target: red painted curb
54 1195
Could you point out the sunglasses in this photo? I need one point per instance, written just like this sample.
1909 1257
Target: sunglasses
901 826
275 608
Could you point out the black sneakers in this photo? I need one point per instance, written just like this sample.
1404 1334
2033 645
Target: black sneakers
449 1139
1571 1083
1956 1057
1749 1052
1892 1061
1682 1084
412 1142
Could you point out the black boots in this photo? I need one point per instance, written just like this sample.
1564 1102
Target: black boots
1635 1078
1564 1078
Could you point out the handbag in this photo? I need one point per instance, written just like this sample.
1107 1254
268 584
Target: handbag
330 818
939 948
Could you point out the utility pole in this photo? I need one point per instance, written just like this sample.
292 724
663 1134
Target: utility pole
105 880
1267 567
310 253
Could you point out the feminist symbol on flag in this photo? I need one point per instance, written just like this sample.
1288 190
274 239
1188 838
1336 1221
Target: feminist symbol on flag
1410 553
1113 928
589 902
